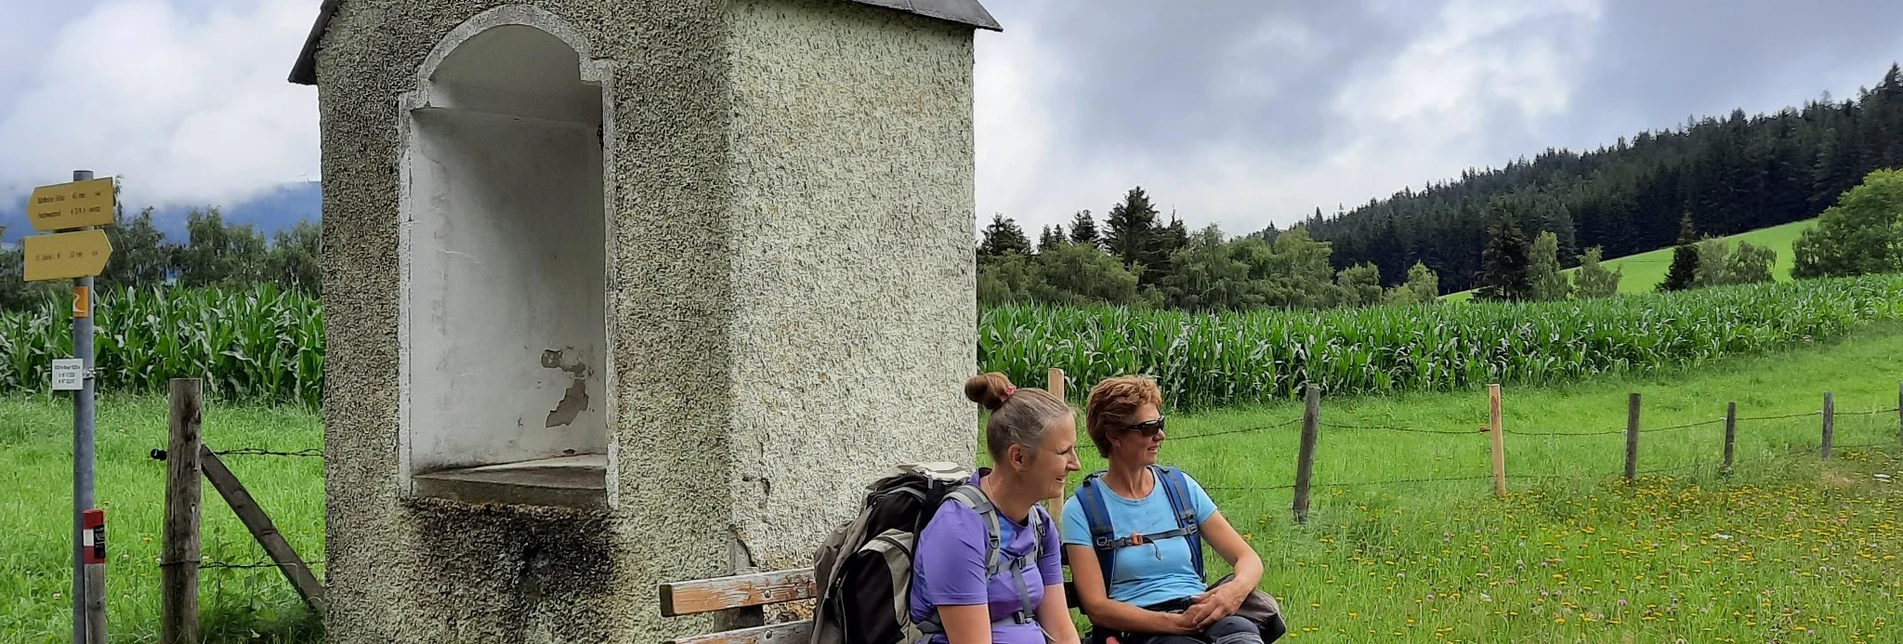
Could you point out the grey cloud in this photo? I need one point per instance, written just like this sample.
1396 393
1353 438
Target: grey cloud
1156 78
1142 92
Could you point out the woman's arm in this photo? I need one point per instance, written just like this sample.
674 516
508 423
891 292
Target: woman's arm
1093 596
968 624
1054 616
1248 566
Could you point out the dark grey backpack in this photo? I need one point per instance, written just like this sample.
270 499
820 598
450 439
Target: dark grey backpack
864 570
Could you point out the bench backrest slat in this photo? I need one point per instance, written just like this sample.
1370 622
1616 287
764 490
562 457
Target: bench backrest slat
788 633
738 591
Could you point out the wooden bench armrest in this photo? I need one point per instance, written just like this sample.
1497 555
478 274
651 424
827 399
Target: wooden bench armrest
738 591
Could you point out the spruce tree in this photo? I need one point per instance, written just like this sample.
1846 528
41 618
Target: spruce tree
1004 236
1131 227
1083 229
1504 276
1684 271
1051 238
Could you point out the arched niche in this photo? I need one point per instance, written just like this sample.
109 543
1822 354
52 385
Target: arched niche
505 362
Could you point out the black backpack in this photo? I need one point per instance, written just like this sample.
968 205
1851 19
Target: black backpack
864 570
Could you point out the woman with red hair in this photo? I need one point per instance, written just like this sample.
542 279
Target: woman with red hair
1133 534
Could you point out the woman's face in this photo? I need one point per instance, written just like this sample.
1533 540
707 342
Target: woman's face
1049 463
1138 439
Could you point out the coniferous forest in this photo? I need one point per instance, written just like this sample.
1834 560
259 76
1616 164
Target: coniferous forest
1506 231
1729 174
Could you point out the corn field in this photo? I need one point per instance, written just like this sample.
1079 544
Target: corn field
263 344
1218 360
266 345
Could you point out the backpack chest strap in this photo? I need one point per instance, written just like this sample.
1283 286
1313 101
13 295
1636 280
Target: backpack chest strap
1140 539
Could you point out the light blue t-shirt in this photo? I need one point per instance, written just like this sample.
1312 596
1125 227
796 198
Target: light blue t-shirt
1154 572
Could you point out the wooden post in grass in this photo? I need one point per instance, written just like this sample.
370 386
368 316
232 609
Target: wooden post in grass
1830 422
262 529
1632 437
1899 412
1056 506
1499 441
1305 467
1731 434
178 553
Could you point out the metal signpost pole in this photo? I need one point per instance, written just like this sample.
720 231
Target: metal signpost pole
82 439
77 249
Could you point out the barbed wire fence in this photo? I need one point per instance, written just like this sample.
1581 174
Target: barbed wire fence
189 460
1312 424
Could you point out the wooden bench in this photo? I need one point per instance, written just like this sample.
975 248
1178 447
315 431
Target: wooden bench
752 590
742 591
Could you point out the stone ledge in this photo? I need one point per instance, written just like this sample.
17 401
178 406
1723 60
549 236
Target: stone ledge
567 481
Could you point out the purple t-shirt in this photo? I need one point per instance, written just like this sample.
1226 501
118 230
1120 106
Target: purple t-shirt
949 568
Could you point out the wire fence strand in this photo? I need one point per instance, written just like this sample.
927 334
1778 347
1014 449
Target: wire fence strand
1517 432
1807 414
1392 428
1245 430
252 451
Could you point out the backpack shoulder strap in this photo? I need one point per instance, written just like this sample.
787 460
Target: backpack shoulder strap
1103 537
971 497
1176 486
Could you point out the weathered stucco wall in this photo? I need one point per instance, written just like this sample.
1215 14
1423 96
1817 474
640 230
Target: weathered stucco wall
790 306
852 180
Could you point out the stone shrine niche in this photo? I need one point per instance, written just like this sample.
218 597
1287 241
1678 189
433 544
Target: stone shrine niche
504 334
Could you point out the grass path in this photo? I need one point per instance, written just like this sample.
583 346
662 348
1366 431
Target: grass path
1791 548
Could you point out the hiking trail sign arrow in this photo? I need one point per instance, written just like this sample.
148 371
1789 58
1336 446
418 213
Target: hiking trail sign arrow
66 255
72 205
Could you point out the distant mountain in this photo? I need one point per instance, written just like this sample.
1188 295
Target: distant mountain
279 209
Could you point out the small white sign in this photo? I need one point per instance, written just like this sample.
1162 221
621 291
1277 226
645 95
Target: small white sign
68 374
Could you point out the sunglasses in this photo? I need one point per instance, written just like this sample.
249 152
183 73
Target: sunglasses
1148 428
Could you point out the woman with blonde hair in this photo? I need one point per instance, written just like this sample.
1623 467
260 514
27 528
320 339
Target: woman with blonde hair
1134 534
988 570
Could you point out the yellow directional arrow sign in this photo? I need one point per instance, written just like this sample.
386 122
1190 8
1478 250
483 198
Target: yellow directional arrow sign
66 255
71 205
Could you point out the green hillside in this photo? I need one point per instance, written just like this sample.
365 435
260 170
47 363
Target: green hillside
1644 271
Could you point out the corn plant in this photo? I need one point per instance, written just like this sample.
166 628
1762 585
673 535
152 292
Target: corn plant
261 344
266 344
1217 360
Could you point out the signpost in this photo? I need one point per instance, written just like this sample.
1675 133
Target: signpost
64 256
78 252
79 204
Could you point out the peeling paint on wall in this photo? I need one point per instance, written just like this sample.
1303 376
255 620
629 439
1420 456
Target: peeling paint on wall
575 399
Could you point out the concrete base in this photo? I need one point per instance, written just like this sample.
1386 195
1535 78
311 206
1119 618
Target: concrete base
568 481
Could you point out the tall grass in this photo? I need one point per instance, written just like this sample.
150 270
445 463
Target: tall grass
1218 360
262 344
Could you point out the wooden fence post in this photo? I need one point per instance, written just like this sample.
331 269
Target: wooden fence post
1305 466
1830 422
1899 412
1499 441
1632 437
178 553
1731 434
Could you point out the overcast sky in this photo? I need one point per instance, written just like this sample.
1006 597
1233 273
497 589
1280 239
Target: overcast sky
1238 112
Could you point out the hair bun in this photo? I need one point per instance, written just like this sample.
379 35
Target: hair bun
989 390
